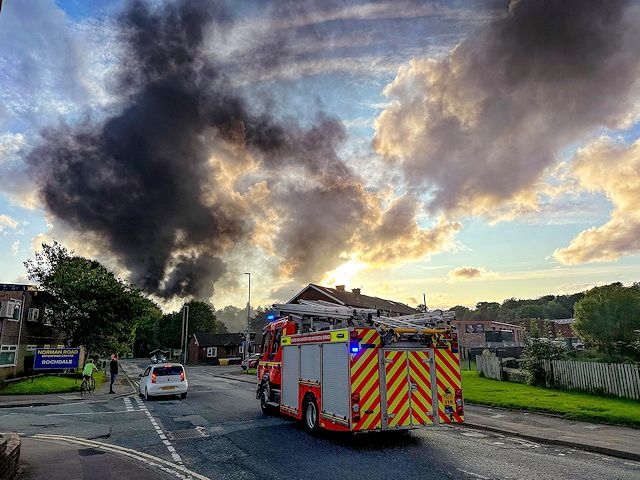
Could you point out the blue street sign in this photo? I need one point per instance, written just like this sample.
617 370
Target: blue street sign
56 358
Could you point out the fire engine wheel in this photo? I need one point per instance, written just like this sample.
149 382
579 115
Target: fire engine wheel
264 400
310 415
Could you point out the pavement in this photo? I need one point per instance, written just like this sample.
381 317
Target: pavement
43 458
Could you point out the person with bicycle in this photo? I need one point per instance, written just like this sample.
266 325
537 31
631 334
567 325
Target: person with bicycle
87 374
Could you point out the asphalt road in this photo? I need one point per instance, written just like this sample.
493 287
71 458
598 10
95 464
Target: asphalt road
219 432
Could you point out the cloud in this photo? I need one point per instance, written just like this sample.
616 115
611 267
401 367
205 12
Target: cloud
611 168
475 131
7 222
393 236
469 273
41 73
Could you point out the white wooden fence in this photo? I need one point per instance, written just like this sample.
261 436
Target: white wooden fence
490 366
620 379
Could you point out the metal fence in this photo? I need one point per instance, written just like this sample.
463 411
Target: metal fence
619 379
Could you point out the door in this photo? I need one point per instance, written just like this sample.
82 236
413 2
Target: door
420 388
397 388
408 388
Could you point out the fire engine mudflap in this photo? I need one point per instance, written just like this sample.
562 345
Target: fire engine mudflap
392 374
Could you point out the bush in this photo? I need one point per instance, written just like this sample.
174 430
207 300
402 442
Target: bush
535 351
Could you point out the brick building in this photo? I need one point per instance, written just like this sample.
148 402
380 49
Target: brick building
24 326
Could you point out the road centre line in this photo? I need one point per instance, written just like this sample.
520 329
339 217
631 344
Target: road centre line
179 470
172 451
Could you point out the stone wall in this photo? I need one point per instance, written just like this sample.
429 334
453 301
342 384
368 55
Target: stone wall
9 456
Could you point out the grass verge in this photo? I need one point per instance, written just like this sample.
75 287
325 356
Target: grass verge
568 404
48 384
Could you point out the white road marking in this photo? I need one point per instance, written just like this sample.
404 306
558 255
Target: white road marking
477 475
180 471
89 413
161 434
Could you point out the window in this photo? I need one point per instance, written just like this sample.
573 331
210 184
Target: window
212 352
168 370
492 336
31 348
507 336
146 372
276 342
265 343
8 355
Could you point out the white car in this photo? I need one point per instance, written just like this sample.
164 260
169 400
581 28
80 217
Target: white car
163 379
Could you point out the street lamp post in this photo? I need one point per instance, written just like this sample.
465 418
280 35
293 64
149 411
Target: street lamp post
246 332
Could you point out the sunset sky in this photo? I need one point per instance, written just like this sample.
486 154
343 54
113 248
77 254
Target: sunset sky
474 150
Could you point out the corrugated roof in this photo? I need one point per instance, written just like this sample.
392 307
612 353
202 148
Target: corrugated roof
359 300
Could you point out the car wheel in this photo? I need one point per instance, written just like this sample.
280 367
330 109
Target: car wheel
183 395
310 415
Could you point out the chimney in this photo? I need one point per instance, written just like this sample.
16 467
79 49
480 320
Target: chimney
340 287
356 292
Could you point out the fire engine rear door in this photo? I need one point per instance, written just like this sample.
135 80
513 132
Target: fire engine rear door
408 388
420 388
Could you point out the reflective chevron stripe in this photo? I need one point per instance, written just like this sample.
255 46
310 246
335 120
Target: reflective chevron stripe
397 382
448 381
365 380
420 375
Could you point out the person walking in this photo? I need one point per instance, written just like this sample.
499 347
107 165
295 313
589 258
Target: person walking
113 368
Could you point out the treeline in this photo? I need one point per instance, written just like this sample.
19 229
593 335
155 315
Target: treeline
90 306
512 310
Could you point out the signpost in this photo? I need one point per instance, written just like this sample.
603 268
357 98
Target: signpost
56 358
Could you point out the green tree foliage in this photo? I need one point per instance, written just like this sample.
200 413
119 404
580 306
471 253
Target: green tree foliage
202 318
609 317
89 304
538 349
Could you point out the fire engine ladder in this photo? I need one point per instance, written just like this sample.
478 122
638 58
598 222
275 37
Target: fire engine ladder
318 308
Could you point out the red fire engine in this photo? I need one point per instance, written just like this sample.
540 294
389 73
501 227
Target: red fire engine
352 369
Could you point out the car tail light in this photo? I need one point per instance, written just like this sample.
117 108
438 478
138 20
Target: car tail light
182 376
153 377
459 404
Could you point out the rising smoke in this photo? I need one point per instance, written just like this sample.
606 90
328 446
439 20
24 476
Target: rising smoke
142 180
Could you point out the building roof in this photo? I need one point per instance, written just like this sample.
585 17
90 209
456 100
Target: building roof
355 298
564 321
204 339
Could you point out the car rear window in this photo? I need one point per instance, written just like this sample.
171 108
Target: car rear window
168 370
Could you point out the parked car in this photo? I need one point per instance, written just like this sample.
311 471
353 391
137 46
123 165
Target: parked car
158 359
252 360
163 379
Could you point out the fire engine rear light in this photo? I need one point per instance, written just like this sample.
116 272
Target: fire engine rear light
356 408
459 405
153 377
356 417
355 398
353 334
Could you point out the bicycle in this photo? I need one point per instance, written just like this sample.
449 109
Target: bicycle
88 385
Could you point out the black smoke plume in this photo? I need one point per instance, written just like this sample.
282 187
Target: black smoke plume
141 179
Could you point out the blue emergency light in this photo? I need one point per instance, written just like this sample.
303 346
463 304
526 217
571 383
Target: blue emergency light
271 317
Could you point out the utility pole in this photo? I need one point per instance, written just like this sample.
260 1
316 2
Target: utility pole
184 340
245 352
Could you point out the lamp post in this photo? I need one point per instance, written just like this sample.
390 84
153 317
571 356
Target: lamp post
184 340
246 332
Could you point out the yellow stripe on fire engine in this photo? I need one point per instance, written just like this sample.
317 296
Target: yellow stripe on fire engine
397 388
286 341
365 381
421 403
448 378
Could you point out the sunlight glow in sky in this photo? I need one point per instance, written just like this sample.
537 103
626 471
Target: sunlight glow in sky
469 150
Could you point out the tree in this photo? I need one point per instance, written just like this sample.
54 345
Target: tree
89 305
202 318
233 317
608 316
